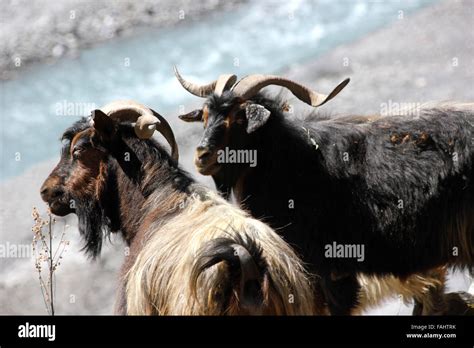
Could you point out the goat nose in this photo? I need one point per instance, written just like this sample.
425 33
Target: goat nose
49 193
202 153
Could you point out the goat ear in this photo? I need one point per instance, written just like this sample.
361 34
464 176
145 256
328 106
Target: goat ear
193 116
103 124
256 115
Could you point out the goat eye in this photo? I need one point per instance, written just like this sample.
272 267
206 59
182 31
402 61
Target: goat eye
76 153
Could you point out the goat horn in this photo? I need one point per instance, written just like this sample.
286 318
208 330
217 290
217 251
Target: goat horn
223 83
165 129
252 84
198 90
249 273
146 121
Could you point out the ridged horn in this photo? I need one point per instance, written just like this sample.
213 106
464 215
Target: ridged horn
223 83
250 85
146 121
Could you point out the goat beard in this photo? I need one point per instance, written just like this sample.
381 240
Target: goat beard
93 225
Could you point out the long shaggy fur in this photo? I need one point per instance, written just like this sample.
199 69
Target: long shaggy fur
170 275
376 289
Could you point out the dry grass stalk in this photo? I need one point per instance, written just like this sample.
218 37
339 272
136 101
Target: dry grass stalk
46 251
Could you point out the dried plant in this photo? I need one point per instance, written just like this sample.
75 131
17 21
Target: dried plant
46 251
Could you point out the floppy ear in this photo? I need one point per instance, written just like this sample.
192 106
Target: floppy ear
103 124
193 116
256 115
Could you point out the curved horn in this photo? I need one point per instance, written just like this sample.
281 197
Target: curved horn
198 90
146 121
252 84
165 129
223 83
250 276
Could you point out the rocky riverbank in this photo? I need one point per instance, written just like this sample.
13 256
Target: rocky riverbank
43 31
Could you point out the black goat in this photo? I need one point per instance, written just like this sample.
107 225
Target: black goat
401 188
